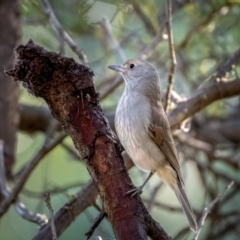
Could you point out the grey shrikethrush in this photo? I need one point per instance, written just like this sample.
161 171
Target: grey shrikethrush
143 129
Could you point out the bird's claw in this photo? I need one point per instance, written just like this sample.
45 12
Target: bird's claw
135 191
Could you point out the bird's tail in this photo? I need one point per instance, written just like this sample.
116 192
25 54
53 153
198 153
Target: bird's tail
182 198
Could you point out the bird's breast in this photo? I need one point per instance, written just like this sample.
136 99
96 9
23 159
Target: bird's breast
132 117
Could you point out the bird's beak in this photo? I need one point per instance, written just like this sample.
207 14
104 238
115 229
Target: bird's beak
117 68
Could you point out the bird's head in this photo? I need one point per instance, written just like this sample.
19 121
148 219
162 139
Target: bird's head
137 72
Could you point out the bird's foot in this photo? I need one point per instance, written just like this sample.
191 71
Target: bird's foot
133 192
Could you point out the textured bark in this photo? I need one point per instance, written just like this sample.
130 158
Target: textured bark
68 89
10 33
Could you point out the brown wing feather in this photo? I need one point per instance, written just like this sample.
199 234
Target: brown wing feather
160 132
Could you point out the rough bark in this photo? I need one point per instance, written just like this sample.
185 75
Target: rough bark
10 34
68 89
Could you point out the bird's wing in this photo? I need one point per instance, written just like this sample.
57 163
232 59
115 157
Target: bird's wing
159 131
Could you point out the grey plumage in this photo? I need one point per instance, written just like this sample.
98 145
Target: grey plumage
143 129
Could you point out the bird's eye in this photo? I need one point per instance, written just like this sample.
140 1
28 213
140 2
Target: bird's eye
132 66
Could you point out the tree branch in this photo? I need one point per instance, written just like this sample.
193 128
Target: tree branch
37 218
46 148
209 208
218 89
68 89
47 199
172 55
95 224
62 33
227 92
66 215
201 99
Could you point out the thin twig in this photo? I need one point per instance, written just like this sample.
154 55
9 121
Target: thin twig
113 42
153 195
47 200
53 190
161 205
145 18
28 170
111 87
3 182
71 43
100 229
207 148
68 213
209 208
37 218
96 222
72 152
229 228
52 127
198 26
149 49
182 234
172 55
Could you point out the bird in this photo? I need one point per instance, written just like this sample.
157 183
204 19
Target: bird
144 131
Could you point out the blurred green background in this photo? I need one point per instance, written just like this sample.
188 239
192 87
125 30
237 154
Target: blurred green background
206 34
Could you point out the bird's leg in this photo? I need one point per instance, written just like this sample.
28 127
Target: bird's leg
137 190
